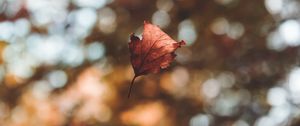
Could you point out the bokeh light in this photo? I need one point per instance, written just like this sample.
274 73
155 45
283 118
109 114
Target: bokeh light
161 18
200 120
274 6
107 21
187 32
290 32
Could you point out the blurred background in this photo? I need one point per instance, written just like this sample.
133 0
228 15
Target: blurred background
66 63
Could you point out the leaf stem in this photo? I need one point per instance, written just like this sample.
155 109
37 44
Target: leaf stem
131 85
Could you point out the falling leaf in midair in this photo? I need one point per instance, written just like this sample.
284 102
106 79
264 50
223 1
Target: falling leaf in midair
151 54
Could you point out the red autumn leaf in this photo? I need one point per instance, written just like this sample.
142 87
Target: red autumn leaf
151 54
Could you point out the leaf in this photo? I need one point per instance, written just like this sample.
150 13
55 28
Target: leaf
151 54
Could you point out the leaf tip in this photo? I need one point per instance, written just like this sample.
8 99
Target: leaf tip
133 37
182 42
146 22
179 44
